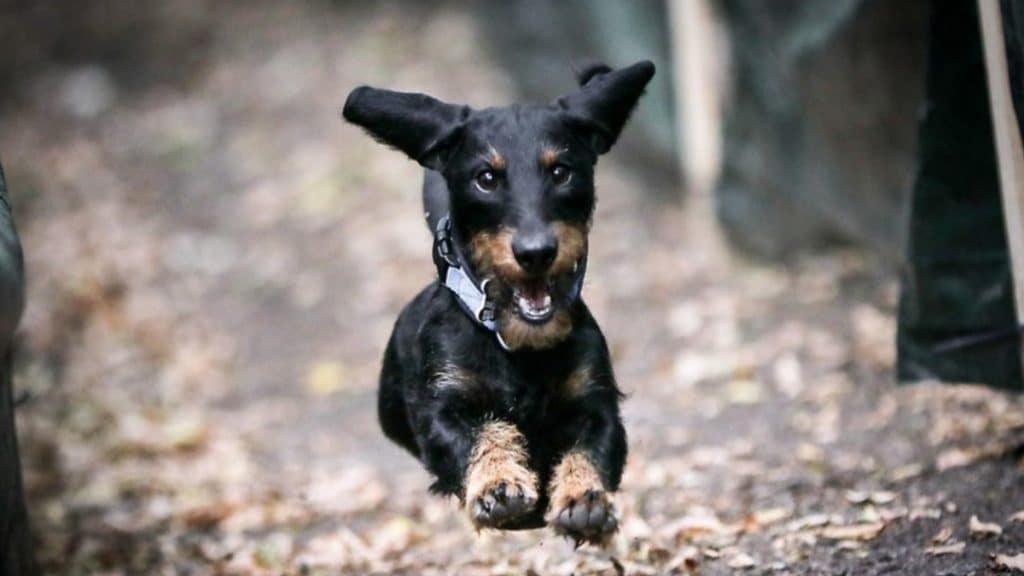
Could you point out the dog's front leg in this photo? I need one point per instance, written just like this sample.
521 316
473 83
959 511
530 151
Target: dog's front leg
582 481
500 487
483 460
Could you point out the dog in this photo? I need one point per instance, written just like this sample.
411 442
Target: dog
496 376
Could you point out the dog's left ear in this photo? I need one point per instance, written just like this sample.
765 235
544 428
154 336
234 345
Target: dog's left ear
422 127
606 99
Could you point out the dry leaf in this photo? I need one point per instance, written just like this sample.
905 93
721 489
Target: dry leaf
955 458
879 498
396 535
948 549
325 378
979 528
929 513
882 497
744 391
1007 562
687 559
742 561
906 472
208 517
694 525
942 536
811 521
854 532
857 497
769 516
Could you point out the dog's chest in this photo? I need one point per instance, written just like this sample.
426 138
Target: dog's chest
526 393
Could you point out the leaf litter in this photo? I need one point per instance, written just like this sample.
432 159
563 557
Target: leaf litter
202 374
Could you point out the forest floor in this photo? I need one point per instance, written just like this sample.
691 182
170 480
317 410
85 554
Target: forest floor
216 260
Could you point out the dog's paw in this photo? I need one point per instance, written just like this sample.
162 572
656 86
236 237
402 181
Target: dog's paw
500 487
580 508
590 517
502 504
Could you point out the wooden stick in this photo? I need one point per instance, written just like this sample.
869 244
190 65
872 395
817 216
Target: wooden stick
1009 151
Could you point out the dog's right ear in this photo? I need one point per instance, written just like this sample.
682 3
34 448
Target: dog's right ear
422 127
605 100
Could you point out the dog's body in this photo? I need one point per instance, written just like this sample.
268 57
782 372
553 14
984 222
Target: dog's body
518 416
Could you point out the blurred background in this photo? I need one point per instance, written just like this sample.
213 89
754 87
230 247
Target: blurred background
215 261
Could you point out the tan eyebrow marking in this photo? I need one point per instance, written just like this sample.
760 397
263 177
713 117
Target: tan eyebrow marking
549 155
497 161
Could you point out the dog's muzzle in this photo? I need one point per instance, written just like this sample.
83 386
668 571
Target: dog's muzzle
532 297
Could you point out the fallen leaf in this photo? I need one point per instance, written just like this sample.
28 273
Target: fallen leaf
811 521
325 378
744 391
929 513
686 559
208 517
979 528
946 550
809 453
856 497
942 536
906 472
769 516
956 457
1007 562
880 498
395 535
694 525
742 561
854 532
186 431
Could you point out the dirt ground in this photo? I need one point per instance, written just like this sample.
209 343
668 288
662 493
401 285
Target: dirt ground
215 263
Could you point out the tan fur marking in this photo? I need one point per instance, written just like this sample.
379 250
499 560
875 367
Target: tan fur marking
549 155
577 382
572 246
518 333
574 476
496 160
492 254
452 376
499 456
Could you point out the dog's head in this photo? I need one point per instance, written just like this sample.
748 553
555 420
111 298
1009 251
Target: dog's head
521 184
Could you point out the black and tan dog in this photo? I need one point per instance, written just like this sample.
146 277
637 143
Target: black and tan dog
497 377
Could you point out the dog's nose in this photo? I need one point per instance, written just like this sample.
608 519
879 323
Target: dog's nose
535 252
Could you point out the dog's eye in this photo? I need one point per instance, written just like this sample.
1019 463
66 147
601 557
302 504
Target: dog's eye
486 180
561 174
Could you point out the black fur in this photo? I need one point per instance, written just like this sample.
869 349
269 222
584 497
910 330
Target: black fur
524 387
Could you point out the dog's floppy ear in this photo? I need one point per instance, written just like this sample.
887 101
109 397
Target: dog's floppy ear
605 100
421 126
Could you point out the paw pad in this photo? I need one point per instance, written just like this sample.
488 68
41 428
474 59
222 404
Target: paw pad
587 518
502 504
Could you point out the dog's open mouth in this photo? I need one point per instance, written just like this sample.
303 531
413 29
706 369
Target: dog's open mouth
532 300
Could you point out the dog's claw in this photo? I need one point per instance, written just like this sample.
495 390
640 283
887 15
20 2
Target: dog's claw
589 518
502 504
